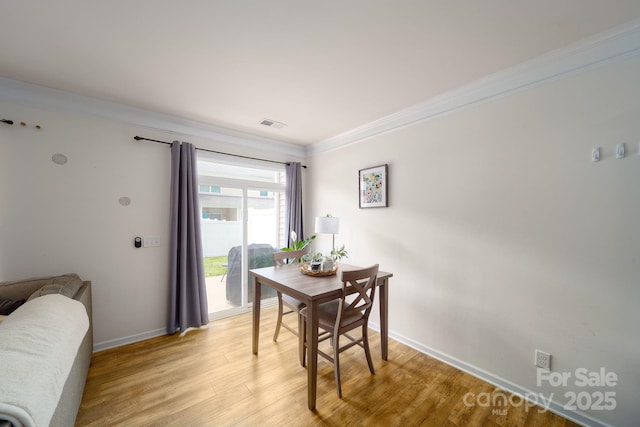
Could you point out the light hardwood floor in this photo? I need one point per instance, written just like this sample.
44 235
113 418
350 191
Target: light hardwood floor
209 377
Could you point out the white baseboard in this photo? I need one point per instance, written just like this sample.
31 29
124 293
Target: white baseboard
506 385
104 345
128 340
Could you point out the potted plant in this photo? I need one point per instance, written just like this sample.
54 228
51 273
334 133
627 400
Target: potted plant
296 244
314 260
338 254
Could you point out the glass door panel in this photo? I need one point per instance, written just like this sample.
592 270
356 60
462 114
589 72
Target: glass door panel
264 211
222 238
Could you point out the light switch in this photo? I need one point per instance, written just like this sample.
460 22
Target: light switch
151 241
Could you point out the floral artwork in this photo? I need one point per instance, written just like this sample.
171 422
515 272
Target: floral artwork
373 187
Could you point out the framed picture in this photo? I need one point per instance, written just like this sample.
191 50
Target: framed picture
374 189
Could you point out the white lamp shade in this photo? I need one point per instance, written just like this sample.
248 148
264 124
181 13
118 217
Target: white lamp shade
327 224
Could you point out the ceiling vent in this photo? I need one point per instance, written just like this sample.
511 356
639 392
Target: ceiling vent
273 124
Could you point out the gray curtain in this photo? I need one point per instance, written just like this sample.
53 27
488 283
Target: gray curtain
293 211
187 287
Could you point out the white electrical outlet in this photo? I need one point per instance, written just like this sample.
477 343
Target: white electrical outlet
543 360
151 241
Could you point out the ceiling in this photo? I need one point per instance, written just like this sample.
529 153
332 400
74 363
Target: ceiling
323 68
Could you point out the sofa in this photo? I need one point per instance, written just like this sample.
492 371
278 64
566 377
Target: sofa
260 255
46 343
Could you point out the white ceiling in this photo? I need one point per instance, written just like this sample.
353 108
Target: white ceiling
323 67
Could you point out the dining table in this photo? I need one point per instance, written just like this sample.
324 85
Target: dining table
313 290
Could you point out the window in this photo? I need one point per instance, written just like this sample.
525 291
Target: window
209 189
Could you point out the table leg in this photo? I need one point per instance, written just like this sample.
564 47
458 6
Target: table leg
384 319
312 354
257 297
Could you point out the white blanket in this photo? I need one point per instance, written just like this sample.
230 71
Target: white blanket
38 344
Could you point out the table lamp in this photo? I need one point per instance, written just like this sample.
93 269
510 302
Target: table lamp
328 225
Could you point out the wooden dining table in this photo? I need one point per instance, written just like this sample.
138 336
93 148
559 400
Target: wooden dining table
313 291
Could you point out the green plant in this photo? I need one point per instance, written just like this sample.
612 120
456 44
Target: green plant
296 244
338 254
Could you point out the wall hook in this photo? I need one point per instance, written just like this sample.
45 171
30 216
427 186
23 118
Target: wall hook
7 121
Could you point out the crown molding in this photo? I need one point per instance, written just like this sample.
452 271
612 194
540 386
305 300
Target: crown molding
54 99
606 48
614 45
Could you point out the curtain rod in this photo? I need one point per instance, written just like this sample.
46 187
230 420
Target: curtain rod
140 138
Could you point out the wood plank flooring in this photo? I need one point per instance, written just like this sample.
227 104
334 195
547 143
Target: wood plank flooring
209 377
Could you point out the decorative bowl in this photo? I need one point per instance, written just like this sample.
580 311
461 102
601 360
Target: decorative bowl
305 268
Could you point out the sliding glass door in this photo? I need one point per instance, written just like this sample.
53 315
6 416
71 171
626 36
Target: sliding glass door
242 224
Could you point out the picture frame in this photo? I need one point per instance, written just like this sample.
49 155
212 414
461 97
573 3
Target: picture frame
373 187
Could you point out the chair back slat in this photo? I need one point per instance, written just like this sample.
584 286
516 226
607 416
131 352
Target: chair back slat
362 285
287 257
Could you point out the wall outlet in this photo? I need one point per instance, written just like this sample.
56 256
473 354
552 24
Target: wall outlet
151 241
543 360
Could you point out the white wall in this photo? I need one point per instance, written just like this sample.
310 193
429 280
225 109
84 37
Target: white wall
57 219
504 237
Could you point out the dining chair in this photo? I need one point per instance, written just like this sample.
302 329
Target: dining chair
345 314
293 305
